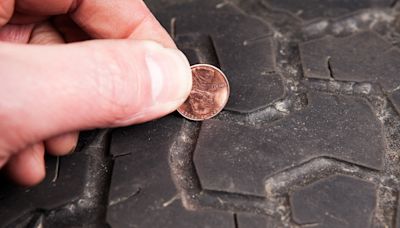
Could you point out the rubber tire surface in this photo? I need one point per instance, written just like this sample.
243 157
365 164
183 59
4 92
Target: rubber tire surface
310 136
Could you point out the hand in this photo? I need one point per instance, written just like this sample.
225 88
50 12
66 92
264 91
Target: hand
51 90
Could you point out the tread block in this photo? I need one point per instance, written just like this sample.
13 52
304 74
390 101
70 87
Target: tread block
244 50
312 9
363 57
338 201
142 193
236 158
206 55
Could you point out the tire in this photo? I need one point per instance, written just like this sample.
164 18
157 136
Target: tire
310 136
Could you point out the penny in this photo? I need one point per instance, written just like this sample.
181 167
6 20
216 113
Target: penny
209 94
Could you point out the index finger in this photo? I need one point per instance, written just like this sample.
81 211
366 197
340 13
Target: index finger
103 18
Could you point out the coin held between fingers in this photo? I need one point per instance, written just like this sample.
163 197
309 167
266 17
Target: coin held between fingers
209 94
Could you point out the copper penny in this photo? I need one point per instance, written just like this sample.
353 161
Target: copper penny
210 92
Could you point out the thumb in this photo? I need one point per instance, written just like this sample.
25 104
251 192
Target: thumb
49 90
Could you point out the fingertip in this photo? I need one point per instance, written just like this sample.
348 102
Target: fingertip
165 83
27 168
6 11
62 144
45 33
187 73
170 74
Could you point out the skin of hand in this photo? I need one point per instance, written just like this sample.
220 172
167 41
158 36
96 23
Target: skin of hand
69 65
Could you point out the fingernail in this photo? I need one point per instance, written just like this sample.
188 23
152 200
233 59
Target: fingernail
171 77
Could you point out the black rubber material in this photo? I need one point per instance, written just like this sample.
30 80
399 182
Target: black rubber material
310 136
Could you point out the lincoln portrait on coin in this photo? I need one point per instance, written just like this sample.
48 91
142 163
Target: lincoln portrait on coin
202 97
